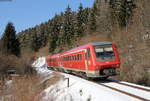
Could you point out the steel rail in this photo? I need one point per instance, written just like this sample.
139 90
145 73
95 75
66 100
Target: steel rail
144 89
121 91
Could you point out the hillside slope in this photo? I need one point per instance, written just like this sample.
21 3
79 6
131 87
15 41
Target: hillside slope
102 23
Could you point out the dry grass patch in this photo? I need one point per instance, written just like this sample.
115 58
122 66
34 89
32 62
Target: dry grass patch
25 88
52 80
29 88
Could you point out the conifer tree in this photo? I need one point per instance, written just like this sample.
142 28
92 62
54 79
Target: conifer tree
80 21
68 26
10 43
55 31
34 40
86 17
95 8
43 35
93 24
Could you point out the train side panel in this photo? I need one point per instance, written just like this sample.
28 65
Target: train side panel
73 61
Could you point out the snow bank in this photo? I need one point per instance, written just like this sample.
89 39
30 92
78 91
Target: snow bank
41 67
40 62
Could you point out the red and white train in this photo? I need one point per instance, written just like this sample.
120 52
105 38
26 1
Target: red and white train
92 60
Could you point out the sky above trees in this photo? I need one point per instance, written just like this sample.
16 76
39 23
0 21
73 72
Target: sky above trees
28 13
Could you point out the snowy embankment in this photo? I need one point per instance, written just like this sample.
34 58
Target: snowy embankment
83 90
41 67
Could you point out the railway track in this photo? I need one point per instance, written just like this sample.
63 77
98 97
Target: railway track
119 90
123 91
129 85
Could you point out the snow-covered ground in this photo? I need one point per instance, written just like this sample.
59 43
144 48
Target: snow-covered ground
83 90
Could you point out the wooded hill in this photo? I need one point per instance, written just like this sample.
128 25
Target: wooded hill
126 22
66 28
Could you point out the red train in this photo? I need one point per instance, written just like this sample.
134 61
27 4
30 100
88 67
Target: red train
92 60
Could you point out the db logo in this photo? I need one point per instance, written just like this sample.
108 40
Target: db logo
107 62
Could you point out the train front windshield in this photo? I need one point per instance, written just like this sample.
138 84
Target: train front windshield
104 53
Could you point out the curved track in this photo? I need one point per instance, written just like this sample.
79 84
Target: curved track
129 85
108 84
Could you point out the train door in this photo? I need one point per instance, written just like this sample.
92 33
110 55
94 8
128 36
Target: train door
59 62
87 59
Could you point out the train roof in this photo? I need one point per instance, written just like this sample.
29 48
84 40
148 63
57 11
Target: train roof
99 43
85 45
93 43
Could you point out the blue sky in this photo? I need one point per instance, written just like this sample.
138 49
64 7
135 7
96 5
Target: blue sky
28 13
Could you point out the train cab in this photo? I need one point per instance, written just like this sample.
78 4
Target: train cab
104 58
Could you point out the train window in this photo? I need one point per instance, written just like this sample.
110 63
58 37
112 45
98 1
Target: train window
87 54
78 57
54 60
67 58
70 58
104 53
64 58
75 57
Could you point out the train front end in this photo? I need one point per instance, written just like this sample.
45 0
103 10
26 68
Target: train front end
106 60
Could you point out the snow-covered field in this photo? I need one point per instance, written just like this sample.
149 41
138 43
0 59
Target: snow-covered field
83 90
